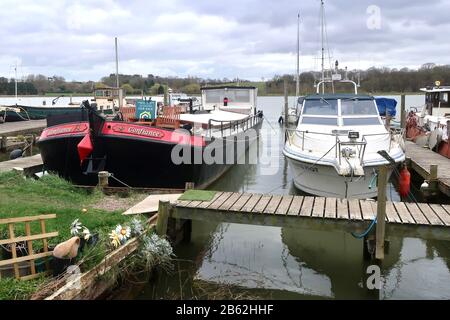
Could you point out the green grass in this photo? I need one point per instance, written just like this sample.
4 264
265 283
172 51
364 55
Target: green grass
50 194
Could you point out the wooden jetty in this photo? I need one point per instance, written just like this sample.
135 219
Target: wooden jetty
429 165
428 221
22 127
29 165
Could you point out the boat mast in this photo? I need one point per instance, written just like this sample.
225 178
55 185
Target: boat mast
15 80
322 39
297 85
117 74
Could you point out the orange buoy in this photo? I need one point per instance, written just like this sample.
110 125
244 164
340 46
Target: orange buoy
404 181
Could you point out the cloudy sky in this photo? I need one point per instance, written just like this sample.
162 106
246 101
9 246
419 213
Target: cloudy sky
250 39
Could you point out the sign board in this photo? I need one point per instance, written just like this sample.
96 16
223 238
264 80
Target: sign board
146 109
336 77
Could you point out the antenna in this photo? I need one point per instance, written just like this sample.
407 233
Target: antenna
322 38
15 80
297 86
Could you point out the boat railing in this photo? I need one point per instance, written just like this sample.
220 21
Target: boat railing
359 144
233 126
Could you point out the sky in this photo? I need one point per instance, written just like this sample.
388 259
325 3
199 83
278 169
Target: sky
247 39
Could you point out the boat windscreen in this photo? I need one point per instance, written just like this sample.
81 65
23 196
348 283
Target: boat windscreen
360 121
320 121
321 107
358 108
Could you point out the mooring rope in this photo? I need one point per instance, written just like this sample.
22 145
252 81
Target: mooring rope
120 181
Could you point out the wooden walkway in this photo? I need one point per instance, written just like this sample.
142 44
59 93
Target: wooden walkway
422 158
22 127
30 165
428 221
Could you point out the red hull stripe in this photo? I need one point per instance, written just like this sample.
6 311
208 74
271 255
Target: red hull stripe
119 129
124 129
69 129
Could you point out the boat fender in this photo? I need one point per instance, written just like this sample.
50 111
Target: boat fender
404 181
16 153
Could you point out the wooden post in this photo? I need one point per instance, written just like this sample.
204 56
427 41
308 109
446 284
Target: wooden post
286 104
163 217
3 143
433 172
402 112
103 179
381 212
388 121
29 151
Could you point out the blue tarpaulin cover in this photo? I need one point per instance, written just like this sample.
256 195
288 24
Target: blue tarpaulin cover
388 104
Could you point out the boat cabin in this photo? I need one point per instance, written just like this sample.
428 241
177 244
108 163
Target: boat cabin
239 99
108 98
339 110
437 100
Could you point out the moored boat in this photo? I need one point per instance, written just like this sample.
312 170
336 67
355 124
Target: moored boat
166 149
333 152
430 126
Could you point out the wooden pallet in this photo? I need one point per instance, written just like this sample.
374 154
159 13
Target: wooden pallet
28 238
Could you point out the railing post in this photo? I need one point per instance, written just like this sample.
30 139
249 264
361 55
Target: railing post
163 217
381 212
402 112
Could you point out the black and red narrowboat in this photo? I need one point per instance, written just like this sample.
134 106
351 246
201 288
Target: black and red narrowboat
165 152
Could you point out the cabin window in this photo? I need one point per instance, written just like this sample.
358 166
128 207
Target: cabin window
360 121
242 96
321 107
444 96
320 121
217 96
358 107
214 96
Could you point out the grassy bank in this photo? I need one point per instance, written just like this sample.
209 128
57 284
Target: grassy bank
51 194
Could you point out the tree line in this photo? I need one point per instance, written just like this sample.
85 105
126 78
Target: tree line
372 80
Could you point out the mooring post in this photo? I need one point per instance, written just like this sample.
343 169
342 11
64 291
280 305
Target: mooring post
286 104
30 141
103 179
3 142
388 120
163 217
381 212
402 112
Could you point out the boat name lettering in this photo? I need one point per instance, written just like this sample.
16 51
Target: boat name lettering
64 130
140 131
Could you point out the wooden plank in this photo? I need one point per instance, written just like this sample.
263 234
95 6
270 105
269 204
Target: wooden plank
273 204
367 210
230 201
24 258
319 207
429 214
262 204
194 204
307 206
205 204
330 208
442 213
342 209
237 206
13 252
296 205
220 200
26 219
248 207
183 203
44 242
403 212
30 238
285 203
416 213
391 213
30 247
354 209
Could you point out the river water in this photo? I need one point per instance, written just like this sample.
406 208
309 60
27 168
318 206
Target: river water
284 263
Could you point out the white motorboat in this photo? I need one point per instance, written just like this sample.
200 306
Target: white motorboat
333 152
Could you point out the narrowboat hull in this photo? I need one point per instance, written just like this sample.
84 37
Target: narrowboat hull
142 158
